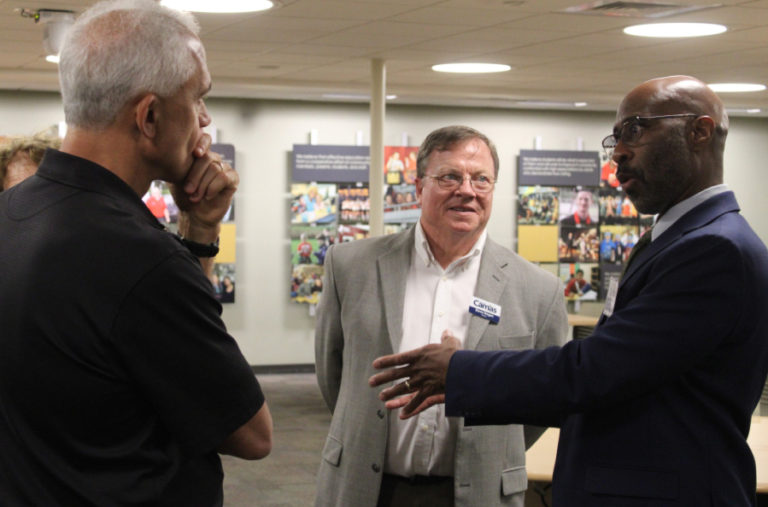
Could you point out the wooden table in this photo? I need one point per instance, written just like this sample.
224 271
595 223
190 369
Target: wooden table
582 325
582 320
758 442
540 459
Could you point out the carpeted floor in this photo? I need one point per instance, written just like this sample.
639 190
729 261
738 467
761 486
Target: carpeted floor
286 478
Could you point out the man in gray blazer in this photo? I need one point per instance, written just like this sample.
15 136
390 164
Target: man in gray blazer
396 292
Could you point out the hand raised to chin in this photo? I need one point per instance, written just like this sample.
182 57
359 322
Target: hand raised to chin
206 193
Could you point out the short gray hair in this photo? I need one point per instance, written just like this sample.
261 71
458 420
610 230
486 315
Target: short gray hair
444 139
119 49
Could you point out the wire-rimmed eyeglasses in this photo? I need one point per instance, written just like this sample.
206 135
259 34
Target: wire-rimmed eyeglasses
632 129
451 181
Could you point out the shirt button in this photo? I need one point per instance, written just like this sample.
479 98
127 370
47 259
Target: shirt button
424 427
380 413
376 468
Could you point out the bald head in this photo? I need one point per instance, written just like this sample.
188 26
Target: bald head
674 95
671 136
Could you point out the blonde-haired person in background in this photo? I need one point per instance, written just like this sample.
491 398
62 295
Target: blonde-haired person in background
20 156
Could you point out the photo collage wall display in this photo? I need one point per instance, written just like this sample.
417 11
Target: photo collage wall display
313 217
620 225
572 213
354 204
161 204
586 291
579 221
330 203
401 206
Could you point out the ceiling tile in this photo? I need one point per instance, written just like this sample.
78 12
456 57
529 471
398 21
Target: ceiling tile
310 45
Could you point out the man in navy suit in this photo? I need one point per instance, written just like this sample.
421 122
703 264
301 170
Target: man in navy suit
654 407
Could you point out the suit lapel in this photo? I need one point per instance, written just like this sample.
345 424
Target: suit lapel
393 267
699 216
491 282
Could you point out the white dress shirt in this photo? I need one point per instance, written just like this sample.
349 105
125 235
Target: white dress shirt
674 213
436 299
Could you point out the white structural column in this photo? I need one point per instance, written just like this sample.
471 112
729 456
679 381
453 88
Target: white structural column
376 177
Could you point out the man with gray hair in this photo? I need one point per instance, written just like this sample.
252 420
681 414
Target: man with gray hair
396 292
119 384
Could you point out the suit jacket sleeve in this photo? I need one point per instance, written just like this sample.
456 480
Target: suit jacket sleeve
666 322
329 337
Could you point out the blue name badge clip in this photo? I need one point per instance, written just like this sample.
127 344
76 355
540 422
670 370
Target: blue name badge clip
485 309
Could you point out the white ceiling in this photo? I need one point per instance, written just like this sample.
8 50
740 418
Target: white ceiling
307 48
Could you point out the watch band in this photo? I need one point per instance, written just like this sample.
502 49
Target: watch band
201 249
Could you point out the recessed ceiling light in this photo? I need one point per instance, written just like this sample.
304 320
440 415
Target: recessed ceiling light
550 103
348 96
352 96
52 58
219 6
471 68
675 29
733 111
737 87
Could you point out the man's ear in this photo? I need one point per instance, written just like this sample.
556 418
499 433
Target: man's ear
147 115
702 130
419 188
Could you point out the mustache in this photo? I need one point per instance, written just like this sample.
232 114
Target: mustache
465 205
623 171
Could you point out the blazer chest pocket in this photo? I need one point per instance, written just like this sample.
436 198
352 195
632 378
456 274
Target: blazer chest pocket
332 451
618 482
514 480
516 342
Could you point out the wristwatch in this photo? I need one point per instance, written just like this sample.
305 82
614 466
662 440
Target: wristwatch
201 249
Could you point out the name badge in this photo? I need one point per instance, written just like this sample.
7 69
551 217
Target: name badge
485 309
610 296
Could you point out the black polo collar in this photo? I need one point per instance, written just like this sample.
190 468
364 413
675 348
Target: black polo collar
89 176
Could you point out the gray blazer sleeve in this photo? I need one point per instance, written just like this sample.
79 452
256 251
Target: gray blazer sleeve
329 337
553 330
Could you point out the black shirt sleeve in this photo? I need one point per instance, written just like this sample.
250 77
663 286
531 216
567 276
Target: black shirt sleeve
177 351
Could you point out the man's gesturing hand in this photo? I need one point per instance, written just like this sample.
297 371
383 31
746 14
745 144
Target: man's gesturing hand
425 370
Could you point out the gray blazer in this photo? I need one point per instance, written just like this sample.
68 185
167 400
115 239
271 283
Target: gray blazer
360 318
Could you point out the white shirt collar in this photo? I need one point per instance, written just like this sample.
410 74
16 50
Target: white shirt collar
674 213
424 252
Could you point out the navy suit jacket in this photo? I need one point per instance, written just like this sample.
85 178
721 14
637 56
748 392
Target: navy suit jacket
655 406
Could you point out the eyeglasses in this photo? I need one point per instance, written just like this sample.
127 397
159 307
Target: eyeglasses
632 130
451 181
